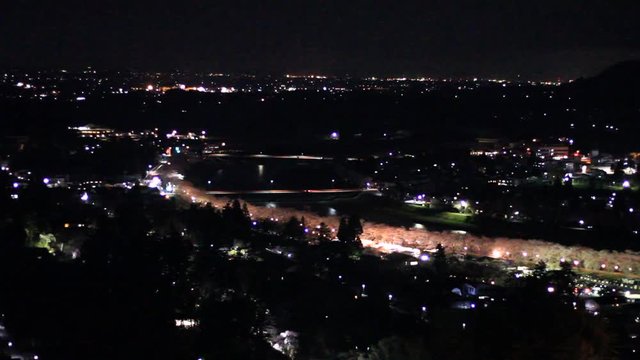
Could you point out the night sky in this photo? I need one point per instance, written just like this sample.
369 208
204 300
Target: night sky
535 39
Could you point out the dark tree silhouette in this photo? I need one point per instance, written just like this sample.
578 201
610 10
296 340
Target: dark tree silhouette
294 228
440 260
345 231
324 232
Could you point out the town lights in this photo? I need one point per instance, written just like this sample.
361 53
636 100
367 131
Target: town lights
155 182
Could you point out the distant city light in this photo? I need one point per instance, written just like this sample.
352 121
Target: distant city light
84 197
626 184
46 181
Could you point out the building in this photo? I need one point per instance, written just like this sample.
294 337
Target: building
556 152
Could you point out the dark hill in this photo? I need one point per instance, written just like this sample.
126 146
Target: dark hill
616 85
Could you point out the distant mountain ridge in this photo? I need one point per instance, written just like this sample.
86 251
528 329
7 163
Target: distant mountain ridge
620 81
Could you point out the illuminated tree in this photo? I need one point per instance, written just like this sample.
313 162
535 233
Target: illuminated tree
45 241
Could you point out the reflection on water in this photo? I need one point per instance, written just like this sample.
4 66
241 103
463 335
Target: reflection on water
289 174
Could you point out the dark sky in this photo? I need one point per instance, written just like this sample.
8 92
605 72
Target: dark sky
538 39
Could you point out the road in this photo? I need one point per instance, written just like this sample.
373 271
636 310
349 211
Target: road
267 156
289 191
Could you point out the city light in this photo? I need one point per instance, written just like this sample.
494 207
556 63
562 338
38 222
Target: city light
185 216
155 182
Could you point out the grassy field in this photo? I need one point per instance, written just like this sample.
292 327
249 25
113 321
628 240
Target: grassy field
426 216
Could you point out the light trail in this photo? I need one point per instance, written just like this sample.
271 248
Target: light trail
288 191
266 156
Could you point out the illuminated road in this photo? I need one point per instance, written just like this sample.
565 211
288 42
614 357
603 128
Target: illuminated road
285 191
267 156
